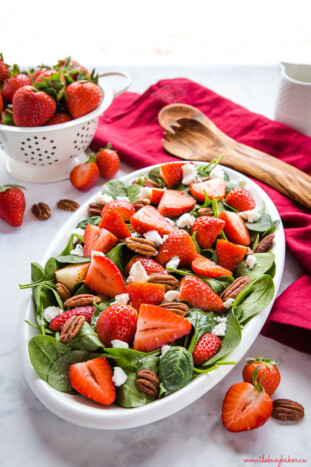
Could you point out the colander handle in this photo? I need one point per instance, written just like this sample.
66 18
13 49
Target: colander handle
119 73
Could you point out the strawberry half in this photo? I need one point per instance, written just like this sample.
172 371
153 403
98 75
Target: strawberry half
84 176
204 267
149 218
93 379
118 321
208 229
229 254
245 407
57 323
96 239
240 199
124 208
179 243
235 229
71 275
112 221
104 277
150 265
157 327
175 203
172 173
156 195
214 188
144 292
206 347
198 294
12 205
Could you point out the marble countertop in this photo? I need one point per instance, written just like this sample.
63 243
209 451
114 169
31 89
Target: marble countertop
30 435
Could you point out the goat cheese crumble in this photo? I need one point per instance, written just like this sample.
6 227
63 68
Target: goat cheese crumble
97 253
220 329
77 251
155 237
119 376
171 295
186 220
189 173
145 193
117 344
251 261
217 172
250 216
122 298
228 303
173 263
137 273
103 199
79 232
51 312
123 198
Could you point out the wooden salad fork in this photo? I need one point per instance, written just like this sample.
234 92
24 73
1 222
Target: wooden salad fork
193 136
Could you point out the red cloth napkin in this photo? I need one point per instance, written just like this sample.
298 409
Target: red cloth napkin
131 125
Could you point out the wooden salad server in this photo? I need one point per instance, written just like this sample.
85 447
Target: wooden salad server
193 136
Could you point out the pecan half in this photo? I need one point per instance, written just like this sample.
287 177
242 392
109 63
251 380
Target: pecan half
265 244
140 203
148 383
205 212
82 300
71 328
285 409
141 246
63 291
233 290
248 251
147 182
169 282
67 205
95 209
181 309
41 211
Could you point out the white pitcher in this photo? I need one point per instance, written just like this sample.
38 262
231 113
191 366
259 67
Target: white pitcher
293 105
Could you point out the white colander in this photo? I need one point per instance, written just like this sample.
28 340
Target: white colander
48 153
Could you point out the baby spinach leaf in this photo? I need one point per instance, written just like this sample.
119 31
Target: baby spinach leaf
56 295
133 192
66 251
176 368
116 256
129 359
81 288
228 207
271 229
201 321
194 239
154 175
272 270
128 394
86 339
43 352
98 311
254 298
72 259
226 177
43 297
264 263
37 272
114 188
261 225
218 285
94 220
50 268
230 341
58 375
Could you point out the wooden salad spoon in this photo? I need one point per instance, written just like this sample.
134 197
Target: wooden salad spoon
193 136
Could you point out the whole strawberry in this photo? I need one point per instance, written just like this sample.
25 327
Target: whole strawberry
57 323
32 107
206 347
4 70
12 204
1 105
82 98
13 84
59 117
118 321
72 68
268 375
85 175
240 199
108 162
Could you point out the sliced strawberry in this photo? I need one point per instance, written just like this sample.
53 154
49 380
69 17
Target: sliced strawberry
149 218
235 229
156 195
245 408
198 294
118 321
240 199
96 239
172 173
204 267
124 208
57 323
112 221
93 379
150 265
229 254
85 175
208 229
206 347
104 277
214 188
71 275
157 327
145 292
179 243
175 203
